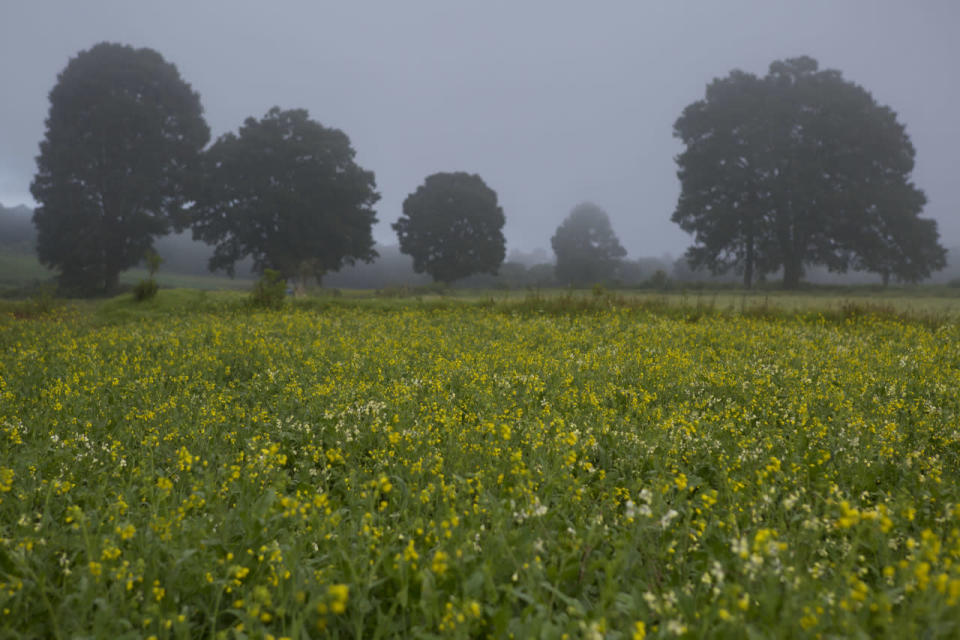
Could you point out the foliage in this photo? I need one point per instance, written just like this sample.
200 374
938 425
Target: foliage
586 247
797 168
36 300
286 191
452 227
148 287
153 261
270 291
145 289
659 280
471 472
122 143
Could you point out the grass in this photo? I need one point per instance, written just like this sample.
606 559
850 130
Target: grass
18 269
20 272
169 280
931 309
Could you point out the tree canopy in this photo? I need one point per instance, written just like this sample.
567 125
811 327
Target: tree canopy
797 168
286 191
452 227
122 142
586 247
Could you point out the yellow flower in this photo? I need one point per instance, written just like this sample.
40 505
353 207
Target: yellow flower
339 594
127 532
6 479
681 481
639 630
439 564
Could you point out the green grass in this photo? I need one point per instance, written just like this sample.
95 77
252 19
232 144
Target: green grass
187 281
20 269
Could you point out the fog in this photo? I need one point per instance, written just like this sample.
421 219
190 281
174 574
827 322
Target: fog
552 103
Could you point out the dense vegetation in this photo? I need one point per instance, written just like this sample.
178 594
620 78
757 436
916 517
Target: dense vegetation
122 147
452 227
586 247
398 470
800 168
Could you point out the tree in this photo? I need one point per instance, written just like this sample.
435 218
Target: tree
905 247
123 139
797 168
286 191
452 227
586 247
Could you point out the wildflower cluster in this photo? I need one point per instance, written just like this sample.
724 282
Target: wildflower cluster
472 472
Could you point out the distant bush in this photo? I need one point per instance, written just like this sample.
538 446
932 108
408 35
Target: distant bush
270 291
145 290
660 280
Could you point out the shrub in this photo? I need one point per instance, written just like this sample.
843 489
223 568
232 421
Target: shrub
145 290
659 280
269 291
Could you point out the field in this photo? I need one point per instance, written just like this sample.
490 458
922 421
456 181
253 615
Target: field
20 269
436 468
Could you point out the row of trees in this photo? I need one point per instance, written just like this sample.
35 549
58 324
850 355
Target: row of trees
124 161
793 169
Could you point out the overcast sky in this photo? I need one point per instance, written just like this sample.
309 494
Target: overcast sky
551 102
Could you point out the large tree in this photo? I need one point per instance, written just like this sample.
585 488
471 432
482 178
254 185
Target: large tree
452 227
286 191
797 168
123 138
587 249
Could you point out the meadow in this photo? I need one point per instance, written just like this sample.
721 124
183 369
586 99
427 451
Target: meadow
438 468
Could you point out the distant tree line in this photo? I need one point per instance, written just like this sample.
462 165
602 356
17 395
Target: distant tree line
781 173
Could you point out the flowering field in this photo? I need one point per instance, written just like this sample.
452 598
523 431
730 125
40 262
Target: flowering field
467 472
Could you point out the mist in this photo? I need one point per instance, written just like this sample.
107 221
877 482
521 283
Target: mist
551 103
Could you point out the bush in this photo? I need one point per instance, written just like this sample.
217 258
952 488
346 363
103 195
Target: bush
659 280
145 290
269 291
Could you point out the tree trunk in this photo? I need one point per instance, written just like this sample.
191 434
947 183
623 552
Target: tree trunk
748 266
886 278
111 280
792 270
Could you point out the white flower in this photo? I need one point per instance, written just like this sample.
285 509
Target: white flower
676 627
668 518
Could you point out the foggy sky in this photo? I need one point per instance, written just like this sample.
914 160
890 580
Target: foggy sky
551 102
